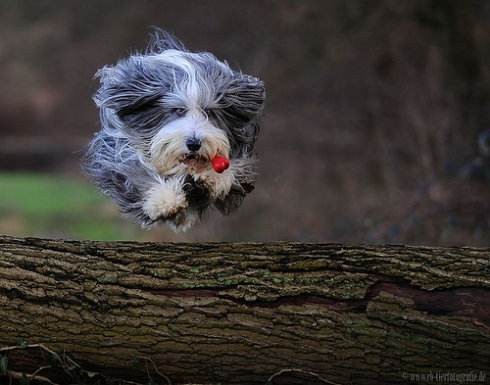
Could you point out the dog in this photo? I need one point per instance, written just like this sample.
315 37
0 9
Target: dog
167 114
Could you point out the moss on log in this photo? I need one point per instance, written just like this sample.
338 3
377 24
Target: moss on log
246 313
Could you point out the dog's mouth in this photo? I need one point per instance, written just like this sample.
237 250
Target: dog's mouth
195 161
193 157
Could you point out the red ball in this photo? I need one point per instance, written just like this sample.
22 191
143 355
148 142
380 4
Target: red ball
220 163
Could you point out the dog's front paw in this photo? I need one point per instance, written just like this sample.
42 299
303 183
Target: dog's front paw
165 200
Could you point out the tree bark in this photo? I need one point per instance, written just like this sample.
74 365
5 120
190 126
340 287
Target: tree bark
244 313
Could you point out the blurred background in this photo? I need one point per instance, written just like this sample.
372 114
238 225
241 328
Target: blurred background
377 124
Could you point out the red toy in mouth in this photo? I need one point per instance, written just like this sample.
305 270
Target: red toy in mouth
220 163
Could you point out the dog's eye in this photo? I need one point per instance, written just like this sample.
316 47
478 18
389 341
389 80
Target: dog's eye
179 111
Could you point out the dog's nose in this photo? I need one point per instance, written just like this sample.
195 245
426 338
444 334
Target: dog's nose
193 144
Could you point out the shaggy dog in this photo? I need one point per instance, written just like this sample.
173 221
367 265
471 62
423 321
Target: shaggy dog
177 136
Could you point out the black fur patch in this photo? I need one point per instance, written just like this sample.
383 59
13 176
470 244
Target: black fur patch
197 194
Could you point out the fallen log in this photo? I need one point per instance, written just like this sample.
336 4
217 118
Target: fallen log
248 313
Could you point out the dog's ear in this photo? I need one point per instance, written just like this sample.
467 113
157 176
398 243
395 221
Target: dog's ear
243 97
161 40
242 103
128 88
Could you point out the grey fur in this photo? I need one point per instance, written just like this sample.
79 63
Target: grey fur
134 98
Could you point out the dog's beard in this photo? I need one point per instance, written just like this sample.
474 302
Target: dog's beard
170 155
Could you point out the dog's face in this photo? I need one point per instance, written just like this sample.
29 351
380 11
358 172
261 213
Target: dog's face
180 109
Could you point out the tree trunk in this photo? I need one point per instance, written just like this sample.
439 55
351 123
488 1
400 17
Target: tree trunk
244 313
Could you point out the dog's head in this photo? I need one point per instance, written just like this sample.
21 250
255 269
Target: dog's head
177 107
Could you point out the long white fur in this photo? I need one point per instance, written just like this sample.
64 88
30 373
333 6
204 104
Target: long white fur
165 198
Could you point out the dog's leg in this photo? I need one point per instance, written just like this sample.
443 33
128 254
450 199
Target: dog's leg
219 185
165 200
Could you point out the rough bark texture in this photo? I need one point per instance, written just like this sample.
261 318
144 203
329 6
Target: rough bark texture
238 313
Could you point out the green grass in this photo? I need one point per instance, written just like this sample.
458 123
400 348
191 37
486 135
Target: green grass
55 205
40 195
